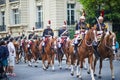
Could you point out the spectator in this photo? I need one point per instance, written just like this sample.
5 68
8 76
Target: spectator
12 55
4 53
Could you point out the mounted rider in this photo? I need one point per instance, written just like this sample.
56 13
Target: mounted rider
63 34
30 40
100 27
47 33
81 29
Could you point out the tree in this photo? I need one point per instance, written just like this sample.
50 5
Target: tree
94 7
111 12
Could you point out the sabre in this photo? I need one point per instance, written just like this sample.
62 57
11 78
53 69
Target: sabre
98 24
64 32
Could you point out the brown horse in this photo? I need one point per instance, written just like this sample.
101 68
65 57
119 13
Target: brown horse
106 49
85 50
17 48
63 49
35 50
49 52
25 50
17 44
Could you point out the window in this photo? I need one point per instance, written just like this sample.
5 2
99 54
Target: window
15 16
3 18
12 0
70 14
39 23
2 26
2 2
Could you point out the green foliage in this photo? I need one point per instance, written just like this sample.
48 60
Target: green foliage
118 37
110 7
71 32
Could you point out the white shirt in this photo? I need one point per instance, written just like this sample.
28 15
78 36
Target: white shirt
11 49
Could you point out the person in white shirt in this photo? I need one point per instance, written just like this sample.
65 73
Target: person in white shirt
12 55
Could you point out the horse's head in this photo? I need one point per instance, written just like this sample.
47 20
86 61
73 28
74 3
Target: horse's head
110 40
91 37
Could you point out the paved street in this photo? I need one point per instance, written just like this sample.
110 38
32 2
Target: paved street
25 72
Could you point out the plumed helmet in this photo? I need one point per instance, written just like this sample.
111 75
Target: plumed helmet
82 17
100 17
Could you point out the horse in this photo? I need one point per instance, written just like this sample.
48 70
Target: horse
24 43
17 44
35 50
49 52
85 50
63 49
106 49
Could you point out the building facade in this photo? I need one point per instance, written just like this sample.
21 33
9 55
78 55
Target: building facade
19 15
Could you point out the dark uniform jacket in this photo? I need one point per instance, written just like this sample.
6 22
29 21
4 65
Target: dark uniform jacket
48 32
30 36
61 31
102 27
81 25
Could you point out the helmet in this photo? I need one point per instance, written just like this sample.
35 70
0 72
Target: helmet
100 17
82 17
64 25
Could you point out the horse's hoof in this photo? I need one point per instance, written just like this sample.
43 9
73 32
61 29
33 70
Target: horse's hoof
66 68
44 69
72 74
60 68
29 65
36 66
88 72
95 75
77 76
99 77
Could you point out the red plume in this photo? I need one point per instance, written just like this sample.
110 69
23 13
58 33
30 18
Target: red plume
102 13
64 22
49 22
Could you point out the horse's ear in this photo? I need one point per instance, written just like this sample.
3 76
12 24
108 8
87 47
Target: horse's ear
110 32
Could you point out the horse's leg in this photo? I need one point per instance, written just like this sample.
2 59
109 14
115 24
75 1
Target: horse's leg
53 56
49 60
91 67
17 58
43 61
78 66
100 67
72 64
29 59
35 58
85 64
112 69
95 61
88 71
61 56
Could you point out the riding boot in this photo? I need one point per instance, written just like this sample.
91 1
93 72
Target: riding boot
29 51
97 55
75 49
43 49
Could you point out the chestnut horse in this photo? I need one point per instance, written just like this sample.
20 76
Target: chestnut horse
85 50
49 52
63 49
106 49
35 50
